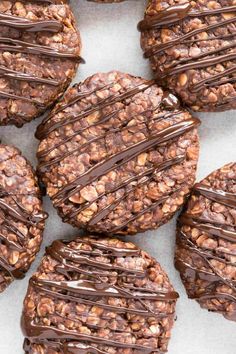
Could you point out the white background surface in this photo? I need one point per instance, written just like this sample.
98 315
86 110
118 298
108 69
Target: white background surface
111 41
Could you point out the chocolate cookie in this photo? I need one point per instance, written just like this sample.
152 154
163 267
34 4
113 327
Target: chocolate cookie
191 47
21 215
39 55
118 155
206 242
98 295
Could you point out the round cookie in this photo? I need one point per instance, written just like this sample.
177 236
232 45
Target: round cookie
206 242
117 154
21 217
98 295
39 54
191 47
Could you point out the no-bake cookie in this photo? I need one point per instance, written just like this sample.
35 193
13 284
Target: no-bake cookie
206 242
118 155
98 295
39 54
21 216
191 47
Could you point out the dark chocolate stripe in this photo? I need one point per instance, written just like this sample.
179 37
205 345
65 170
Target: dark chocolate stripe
44 165
188 271
165 17
197 252
209 228
80 348
193 62
68 290
19 214
20 46
216 295
48 127
40 332
216 195
186 243
14 45
117 309
216 229
214 80
85 287
13 273
124 156
145 210
101 249
16 97
16 75
28 25
156 49
78 97
176 13
13 245
60 252
197 64
104 212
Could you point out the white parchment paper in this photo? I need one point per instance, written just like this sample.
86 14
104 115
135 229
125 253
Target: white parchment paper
111 41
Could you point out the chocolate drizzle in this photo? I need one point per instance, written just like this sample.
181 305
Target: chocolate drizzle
21 46
120 159
213 229
49 125
28 25
15 75
17 213
176 14
94 290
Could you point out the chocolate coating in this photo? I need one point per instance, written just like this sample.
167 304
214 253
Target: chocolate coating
39 54
21 217
192 50
98 295
118 155
206 242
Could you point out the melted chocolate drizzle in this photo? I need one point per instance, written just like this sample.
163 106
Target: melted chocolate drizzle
17 213
28 25
218 230
91 291
182 12
20 46
117 160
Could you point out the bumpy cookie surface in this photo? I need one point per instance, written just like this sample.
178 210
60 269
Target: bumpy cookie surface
191 47
98 295
206 242
39 54
118 155
21 215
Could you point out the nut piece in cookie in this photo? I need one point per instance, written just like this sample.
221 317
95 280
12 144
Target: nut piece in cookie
118 155
98 295
21 216
191 47
39 54
206 242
